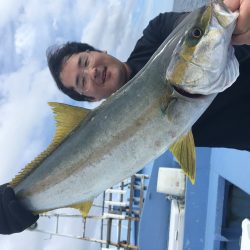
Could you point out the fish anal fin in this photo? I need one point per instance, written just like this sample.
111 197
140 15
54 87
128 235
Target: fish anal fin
67 118
184 152
84 207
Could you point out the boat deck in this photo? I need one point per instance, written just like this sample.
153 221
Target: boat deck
214 206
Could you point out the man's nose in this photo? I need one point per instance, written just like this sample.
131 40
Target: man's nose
93 74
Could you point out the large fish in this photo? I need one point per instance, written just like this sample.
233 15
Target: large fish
93 150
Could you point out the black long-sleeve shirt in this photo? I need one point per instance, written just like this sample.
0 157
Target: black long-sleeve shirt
226 123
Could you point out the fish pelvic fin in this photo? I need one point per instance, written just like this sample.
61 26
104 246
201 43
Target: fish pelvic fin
184 152
83 207
67 118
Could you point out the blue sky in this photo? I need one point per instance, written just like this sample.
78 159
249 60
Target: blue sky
27 28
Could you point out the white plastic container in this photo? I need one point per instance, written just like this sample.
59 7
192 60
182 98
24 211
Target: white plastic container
171 181
245 238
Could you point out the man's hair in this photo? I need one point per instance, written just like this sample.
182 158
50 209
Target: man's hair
57 56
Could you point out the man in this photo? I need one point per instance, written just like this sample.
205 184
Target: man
84 73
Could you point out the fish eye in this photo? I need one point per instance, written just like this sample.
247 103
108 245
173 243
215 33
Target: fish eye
196 33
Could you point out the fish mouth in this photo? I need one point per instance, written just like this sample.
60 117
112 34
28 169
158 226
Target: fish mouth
224 15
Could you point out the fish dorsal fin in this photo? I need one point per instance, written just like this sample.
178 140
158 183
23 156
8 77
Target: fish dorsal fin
67 118
184 152
84 207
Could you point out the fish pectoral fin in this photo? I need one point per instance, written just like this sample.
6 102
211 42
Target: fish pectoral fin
84 207
67 119
184 152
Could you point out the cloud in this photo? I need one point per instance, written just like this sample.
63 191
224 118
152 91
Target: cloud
111 28
8 11
24 115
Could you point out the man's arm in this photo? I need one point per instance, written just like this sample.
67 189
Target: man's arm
14 218
154 34
242 52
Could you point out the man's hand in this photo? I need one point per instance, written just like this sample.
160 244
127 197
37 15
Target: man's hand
242 30
14 217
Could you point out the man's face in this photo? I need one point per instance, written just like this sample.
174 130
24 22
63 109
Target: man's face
93 74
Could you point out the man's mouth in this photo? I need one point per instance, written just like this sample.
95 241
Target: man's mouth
104 74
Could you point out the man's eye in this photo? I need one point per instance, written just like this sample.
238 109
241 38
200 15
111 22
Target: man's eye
86 62
83 81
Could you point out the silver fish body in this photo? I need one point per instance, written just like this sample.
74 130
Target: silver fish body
132 127
188 5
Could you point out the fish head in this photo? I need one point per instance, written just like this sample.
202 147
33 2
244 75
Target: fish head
201 55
